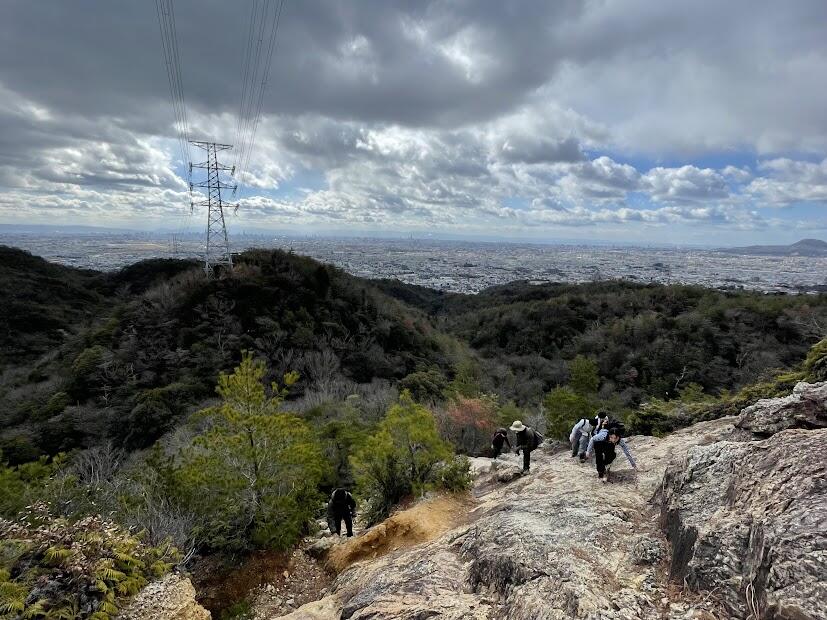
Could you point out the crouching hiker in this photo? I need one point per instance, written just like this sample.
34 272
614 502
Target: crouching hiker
500 437
341 506
603 445
579 437
527 440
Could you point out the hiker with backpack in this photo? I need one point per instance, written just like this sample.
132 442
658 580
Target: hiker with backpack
341 507
527 440
583 430
500 437
603 445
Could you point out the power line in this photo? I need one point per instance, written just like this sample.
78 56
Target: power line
247 104
172 63
264 79
251 107
245 74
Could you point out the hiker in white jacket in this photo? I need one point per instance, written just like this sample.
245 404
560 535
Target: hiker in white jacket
582 432
579 436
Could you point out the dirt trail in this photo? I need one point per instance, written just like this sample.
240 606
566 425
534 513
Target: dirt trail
419 524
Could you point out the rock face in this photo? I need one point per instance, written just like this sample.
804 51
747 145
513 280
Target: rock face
749 519
743 522
170 598
806 408
553 544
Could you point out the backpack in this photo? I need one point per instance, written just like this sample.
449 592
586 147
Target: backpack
340 497
536 439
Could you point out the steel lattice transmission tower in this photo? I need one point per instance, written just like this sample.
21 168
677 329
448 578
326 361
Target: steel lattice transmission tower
217 249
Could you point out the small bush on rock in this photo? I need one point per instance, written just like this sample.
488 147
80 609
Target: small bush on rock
816 363
455 475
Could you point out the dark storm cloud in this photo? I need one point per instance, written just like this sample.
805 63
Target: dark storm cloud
364 60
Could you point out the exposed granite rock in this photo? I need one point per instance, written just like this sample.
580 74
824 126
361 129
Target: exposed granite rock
552 545
745 522
509 474
480 465
170 598
321 547
805 408
749 522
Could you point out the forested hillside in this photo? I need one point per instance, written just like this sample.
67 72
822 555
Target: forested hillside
129 354
646 340
216 413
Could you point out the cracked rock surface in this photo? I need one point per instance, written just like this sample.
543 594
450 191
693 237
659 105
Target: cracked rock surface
739 517
554 544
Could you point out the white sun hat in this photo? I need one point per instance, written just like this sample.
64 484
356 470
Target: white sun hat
517 426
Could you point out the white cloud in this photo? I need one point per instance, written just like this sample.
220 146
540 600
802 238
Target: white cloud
789 181
686 184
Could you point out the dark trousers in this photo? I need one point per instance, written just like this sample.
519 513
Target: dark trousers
337 522
526 459
497 450
604 454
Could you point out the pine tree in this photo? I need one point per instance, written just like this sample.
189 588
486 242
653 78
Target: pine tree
400 458
252 475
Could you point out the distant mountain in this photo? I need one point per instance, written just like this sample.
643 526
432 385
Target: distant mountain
805 247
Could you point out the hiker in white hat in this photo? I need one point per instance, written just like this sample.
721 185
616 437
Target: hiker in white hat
527 440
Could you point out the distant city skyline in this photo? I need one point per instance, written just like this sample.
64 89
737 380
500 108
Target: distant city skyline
637 122
461 266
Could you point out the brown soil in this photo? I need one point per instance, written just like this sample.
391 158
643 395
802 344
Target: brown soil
304 580
421 523
220 584
274 583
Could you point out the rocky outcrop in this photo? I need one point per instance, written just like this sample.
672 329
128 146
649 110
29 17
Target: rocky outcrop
170 598
554 544
739 521
748 520
805 408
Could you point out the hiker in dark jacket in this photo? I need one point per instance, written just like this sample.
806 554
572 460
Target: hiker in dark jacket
603 445
500 437
341 506
601 418
527 440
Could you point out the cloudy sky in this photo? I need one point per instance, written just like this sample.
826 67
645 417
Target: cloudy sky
633 120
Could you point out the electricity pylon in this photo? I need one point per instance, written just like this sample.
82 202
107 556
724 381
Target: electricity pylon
217 249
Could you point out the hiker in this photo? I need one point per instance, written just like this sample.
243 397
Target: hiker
580 435
500 437
602 420
527 440
583 430
603 445
341 506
